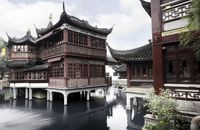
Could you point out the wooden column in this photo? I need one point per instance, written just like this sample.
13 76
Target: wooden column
66 71
158 68
89 44
65 40
128 74
157 45
88 74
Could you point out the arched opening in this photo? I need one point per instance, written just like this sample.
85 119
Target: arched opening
74 97
58 97
39 93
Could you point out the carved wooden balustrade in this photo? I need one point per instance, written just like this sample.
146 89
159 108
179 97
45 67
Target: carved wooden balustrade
187 92
76 83
52 51
63 48
28 76
85 50
23 55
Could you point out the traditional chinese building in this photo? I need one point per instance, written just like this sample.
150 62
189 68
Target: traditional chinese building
138 64
174 67
66 57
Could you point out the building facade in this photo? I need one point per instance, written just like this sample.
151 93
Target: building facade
174 67
172 64
66 57
138 63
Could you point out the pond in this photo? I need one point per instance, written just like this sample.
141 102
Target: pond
97 114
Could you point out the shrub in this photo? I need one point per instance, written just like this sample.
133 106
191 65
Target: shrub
163 107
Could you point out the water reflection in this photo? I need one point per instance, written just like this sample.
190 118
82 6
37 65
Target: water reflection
98 114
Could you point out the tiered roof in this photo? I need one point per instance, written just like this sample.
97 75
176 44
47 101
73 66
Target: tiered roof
71 20
143 53
27 39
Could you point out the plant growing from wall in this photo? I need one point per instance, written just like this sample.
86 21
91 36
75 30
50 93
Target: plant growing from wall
163 108
191 38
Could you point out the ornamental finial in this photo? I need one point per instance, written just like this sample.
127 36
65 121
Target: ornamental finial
28 31
63 6
50 17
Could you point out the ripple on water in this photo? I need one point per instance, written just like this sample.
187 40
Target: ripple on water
13 119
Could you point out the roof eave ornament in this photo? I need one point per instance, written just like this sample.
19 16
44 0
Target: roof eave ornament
63 6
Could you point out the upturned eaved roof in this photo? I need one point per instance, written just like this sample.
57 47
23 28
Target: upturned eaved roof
111 60
71 20
38 67
27 39
18 63
147 6
143 53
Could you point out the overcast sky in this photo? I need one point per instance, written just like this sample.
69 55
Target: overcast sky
132 24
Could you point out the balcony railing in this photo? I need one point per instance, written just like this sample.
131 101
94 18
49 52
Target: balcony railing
23 55
63 48
52 51
190 92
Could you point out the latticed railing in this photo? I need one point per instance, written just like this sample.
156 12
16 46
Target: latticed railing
52 51
185 92
72 49
23 55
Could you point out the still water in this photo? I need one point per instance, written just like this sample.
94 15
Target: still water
97 114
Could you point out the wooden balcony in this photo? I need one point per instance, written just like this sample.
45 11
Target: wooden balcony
22 55
39 76
72 49
53 51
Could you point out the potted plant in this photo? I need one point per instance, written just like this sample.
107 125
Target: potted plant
163 111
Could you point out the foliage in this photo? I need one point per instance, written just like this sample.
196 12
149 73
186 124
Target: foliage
163 107
192 37
1 43
3 69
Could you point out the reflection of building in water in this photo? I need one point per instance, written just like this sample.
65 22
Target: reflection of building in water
85 116
135 116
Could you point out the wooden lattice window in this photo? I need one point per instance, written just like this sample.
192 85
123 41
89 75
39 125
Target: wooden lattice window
77 38
76 70
57 70
97 43
97 71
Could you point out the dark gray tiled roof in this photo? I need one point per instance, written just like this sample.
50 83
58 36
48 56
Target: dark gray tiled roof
38 67
27 39
143 53
147 6
17 63
111 60
71 20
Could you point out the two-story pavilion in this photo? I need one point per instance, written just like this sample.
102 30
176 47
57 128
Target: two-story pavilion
67 57
138 63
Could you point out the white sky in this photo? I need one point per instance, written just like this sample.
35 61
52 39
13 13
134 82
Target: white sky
132 24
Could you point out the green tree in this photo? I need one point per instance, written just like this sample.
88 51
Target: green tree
191 38
3 68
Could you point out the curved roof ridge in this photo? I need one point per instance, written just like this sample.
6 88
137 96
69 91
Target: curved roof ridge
142 53
127 51
28 37
72 20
